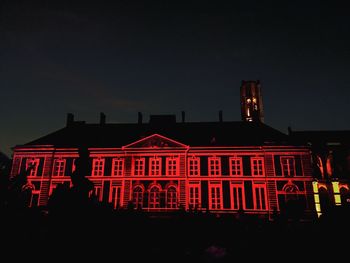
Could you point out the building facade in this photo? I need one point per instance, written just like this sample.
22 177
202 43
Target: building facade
330 155
164 165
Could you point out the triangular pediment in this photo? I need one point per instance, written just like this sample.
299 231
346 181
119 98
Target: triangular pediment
155 141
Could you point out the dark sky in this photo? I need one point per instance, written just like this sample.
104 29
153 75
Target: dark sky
159 57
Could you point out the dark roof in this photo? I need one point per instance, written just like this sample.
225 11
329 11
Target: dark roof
327 136
189 133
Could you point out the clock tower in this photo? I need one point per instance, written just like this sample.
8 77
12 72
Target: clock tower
251 101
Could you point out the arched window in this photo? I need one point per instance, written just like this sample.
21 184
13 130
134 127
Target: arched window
171 197
138 197
154 197
291 191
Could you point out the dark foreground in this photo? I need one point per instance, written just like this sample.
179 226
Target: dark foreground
131 236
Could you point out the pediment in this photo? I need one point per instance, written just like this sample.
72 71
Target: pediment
155 141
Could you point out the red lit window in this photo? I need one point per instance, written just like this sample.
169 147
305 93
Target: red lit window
214 166
16 167
194 196
58 167
139 166
193 166
98 166
257 164
32 164
236 166
154 197
171 197
172 164
34 199
237 196
98 192
155 165
117 167
115 196
259 196
215 196
288 165
138 197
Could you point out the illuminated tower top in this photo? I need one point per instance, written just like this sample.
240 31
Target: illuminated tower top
251 101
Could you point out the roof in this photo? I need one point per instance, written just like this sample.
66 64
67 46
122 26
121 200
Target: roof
238 133
326 136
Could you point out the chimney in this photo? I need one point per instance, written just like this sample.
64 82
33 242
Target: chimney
220 116
139 119
102 118
70 119
182 116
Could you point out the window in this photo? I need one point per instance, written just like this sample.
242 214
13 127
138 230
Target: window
98 192
139 166
98 167
138 197
155 165
257 164
154 197
32 165
193 166
259 196
194 196
58 167
215 196
236 166
115 196
172 164
291 191
214 166
237 196
117 167
288 166
171 197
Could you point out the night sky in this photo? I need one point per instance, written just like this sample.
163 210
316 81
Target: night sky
121 57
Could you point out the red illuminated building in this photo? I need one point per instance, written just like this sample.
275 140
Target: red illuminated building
165 165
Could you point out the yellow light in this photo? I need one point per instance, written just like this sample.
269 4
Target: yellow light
337 199
254 100
314 186
317 199
335 187
318 209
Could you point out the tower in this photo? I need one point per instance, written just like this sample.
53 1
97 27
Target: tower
251 101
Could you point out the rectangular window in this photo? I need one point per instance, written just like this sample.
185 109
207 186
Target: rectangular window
117 167
257 164
236 166
288 165
32 164
115 196
214 166
59 167
34 200
194 199
98 166
237 196
172 166
155 166
259 196
215 196
98 192
193 166
139 166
